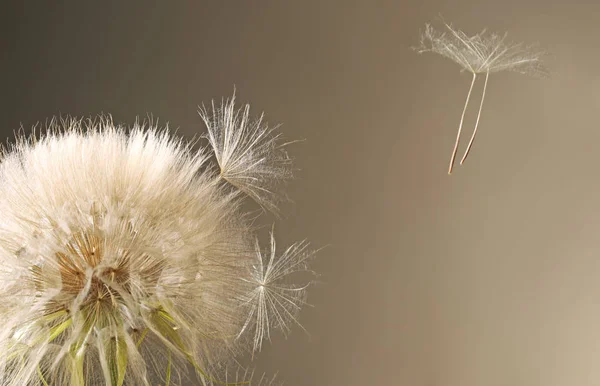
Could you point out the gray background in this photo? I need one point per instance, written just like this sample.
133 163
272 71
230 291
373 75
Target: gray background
485 278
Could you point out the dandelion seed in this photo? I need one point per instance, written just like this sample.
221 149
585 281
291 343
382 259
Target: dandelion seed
274 299
125 258
482 53
249 154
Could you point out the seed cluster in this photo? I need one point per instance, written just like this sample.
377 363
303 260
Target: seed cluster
126 258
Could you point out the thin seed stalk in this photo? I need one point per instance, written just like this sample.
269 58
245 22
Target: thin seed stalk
487 75
462 118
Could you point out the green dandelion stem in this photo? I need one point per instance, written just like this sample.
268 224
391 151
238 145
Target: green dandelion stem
59 329
168 375
41 375
117 360
144 333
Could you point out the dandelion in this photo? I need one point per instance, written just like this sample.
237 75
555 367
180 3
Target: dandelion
126 257
479 54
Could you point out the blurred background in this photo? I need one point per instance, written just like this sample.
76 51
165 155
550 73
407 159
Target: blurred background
487 277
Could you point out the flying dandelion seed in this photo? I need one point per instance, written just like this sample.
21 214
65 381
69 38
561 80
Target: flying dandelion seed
126 257
247 151
479 54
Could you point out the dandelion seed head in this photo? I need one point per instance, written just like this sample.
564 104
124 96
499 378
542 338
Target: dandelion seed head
124 256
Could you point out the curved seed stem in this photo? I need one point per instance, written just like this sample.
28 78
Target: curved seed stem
462 118
476 122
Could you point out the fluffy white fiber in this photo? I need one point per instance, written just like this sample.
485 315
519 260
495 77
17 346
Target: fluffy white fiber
125 257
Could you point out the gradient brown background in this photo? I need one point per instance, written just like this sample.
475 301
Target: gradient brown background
489 277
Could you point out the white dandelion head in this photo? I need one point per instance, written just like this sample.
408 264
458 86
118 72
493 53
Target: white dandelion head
248 151
124 258
483 52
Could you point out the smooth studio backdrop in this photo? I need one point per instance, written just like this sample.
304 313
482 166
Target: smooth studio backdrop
488 277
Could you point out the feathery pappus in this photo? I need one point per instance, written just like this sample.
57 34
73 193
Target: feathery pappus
126 257
482 53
